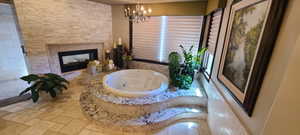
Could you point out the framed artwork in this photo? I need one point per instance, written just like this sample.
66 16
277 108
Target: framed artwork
251 33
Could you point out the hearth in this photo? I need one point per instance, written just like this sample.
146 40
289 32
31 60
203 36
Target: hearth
74 60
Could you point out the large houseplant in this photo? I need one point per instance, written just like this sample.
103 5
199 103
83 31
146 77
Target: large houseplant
183 77
49 83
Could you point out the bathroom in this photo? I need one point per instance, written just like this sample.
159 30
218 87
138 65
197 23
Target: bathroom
161 67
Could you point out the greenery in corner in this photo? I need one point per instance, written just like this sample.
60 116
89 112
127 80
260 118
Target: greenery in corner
191 62
49 83
182 76
174 66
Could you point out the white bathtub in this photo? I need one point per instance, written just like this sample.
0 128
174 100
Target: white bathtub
135 83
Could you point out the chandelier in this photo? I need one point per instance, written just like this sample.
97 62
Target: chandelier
138 13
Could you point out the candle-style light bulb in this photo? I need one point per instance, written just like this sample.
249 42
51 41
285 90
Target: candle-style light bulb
149 10
142 8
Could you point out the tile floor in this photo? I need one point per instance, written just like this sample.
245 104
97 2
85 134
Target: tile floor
64 117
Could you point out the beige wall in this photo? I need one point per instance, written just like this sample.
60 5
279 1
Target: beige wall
178 8
120 24
284 117
274 75
215 4
61 22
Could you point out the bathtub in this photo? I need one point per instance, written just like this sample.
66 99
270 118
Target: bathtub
135 83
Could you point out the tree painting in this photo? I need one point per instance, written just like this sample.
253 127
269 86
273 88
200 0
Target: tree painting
243 41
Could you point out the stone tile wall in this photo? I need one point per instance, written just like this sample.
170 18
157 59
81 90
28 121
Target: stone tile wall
45 22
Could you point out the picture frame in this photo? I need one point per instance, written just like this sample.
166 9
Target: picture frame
251 33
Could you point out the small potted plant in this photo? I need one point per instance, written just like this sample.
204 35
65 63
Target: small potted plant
182 75
50 83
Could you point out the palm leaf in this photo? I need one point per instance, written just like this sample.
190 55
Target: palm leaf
30 78
34 96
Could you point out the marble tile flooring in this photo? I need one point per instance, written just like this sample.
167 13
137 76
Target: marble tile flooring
63 116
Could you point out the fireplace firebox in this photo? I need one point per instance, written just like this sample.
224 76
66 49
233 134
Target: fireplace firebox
74 60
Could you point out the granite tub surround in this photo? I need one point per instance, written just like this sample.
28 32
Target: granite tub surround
150 112
61 22
147 123
135 83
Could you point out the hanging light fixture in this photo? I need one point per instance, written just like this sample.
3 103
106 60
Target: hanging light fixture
138 13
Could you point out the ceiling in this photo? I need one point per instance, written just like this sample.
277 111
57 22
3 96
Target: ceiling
141 1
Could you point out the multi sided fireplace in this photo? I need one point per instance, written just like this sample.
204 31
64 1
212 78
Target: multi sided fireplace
74 60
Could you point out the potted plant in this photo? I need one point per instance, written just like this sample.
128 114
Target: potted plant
182 75
191 62
49 83
174 67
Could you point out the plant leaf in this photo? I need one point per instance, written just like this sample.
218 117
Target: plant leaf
25 91
34 95
30 78
52 93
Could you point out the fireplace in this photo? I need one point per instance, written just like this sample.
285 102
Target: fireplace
74 60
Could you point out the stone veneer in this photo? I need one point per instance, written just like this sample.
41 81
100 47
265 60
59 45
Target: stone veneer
60 22
55 48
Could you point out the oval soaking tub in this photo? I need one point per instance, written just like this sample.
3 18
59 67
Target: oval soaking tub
135 83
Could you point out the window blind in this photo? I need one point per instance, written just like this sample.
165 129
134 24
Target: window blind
214 31
159 36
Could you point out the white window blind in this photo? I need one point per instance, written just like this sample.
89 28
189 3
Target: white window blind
212 39
214 31
156 38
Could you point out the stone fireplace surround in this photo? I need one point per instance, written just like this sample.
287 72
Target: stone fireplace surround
53 50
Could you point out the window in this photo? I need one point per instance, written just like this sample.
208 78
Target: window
213 23
156 38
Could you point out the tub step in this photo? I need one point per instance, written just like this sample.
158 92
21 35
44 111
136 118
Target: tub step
149 122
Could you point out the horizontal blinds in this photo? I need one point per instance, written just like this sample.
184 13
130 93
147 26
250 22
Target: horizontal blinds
146 39
182 30
159 36
213 32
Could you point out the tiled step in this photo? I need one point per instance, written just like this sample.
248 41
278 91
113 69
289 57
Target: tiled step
151 121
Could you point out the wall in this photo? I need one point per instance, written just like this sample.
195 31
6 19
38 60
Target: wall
275 72
212 5
120 24
12 63
178 8
284 117
61 22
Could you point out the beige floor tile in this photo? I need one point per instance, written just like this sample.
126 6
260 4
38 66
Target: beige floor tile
10 116
11 128
38 128
90 132
33 122
94 127
49 132
74 127
4 113
62 119
57 127
49 115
